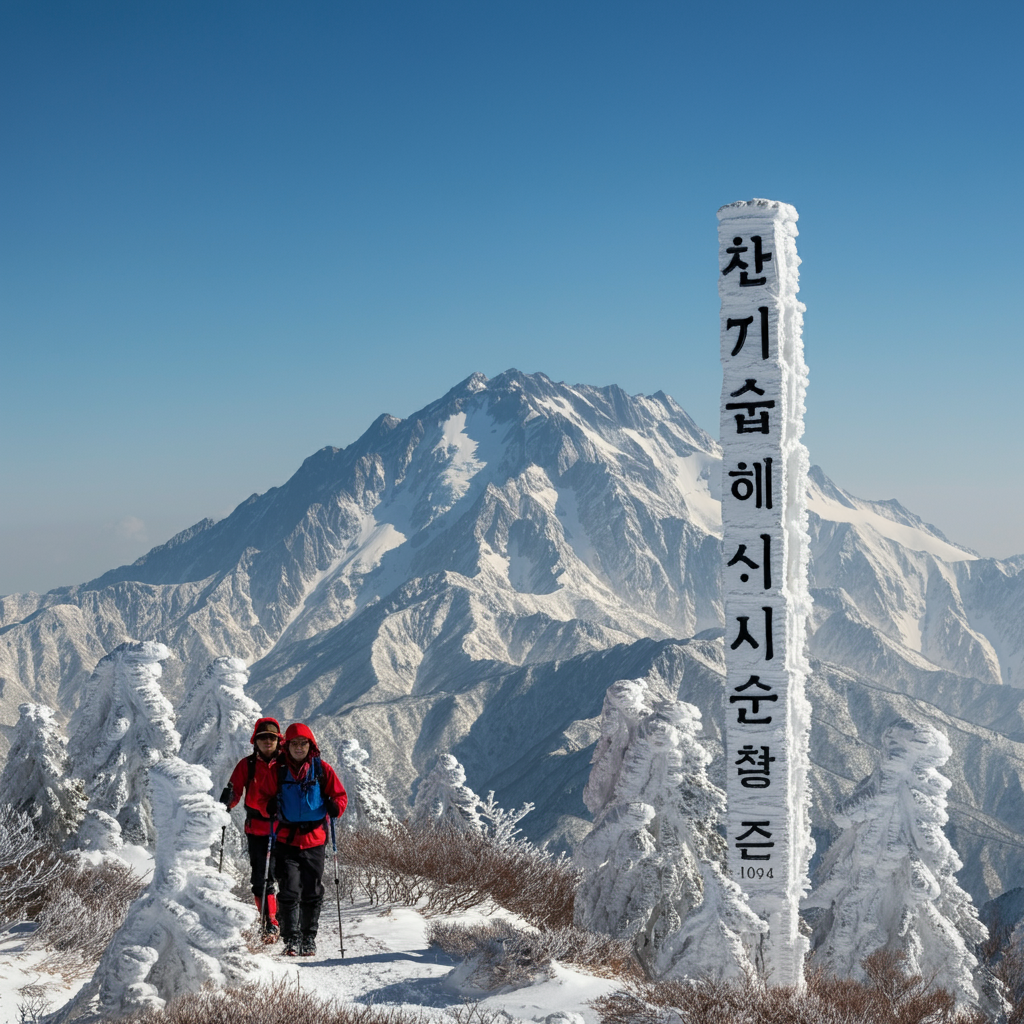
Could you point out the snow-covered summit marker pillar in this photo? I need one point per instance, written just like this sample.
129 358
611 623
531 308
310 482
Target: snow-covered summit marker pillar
764 571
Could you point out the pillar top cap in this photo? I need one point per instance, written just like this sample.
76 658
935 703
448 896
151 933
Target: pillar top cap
747 209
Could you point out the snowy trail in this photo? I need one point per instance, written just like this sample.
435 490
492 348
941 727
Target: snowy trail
387 962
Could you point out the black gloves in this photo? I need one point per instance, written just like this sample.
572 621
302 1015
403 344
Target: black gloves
226 795
333 810
272 807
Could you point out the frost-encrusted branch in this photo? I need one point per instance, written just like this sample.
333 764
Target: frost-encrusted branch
502 824
28 862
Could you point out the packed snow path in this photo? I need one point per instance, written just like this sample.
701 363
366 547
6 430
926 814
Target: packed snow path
387 962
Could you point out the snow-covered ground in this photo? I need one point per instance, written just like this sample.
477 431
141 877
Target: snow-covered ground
387 962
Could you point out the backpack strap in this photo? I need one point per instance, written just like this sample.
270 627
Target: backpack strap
250 814
282 774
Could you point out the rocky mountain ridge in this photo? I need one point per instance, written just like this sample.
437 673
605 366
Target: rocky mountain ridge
472 578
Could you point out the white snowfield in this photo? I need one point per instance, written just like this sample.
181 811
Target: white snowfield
471 580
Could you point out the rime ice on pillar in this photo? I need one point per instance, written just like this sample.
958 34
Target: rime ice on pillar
765 552
215 721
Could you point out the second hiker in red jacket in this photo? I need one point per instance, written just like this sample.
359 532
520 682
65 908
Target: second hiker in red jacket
308 792
256 777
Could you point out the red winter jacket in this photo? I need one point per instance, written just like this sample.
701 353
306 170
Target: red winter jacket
332 789
262 788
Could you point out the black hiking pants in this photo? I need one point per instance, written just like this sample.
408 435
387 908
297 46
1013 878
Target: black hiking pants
258 861
300 877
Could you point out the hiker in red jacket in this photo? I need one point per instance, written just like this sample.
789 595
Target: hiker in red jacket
256 777
308 792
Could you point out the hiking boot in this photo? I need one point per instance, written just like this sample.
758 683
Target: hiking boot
272 934
290 949
307 947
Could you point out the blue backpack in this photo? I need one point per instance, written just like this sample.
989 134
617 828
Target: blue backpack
301 804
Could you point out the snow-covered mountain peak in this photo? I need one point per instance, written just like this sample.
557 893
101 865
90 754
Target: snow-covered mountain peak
888 519
472 578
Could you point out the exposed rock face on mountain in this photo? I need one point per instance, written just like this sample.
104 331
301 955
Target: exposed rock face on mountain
474 577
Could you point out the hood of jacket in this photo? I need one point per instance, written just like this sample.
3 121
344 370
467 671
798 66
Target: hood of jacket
260 726
299 730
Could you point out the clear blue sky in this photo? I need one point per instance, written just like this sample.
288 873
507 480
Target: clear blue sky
234 232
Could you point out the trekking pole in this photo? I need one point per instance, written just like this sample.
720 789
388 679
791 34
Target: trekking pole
264 916
337 888
223 832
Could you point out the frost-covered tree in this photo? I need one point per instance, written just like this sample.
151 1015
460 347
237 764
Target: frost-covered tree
123 726
502 825
653 861
37 778
368 807
184 932
443 799
888 882
216 719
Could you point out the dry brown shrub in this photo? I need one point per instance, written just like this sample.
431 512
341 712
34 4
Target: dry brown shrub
29 861
457 871
506 954
266 1004
500 953
80 909
890 996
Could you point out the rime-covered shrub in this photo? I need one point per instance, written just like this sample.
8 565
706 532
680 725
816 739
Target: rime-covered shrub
368 807
888 995
454 871
37 777
80 909
888 882
653 861
499 953
123 726
443 800
268 1003
29 861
